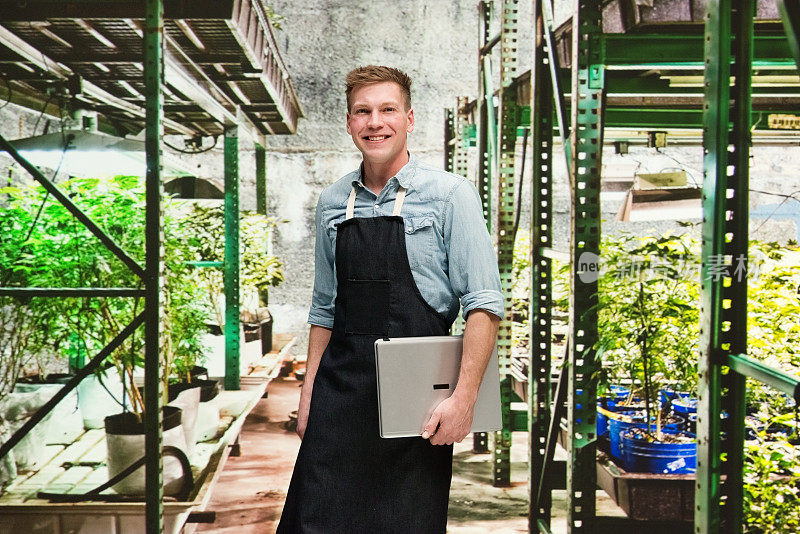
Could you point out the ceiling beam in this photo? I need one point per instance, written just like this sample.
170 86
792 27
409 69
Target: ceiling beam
62 72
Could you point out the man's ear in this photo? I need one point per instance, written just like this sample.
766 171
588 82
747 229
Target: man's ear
347 123
410 120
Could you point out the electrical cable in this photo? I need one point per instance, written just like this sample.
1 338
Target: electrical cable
786 199
41 114
201 151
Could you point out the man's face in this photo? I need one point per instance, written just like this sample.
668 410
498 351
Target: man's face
379 122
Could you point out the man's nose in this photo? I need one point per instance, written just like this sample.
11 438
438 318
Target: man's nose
375 119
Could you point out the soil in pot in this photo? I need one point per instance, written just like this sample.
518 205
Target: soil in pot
125 445
626 420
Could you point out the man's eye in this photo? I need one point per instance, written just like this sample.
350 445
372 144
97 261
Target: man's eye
361 111
389 109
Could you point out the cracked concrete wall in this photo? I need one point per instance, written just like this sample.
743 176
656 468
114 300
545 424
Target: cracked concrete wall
322 40
436 43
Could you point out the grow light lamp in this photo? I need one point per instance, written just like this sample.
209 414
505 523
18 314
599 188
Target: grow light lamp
93 154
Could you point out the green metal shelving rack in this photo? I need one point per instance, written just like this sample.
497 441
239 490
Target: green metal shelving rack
724 107
154 38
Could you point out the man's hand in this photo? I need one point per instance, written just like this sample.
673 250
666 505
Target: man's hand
450 421
302 414
318 338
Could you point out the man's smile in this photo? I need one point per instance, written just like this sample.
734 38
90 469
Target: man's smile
376 138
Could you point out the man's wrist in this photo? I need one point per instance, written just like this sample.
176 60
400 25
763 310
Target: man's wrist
466 395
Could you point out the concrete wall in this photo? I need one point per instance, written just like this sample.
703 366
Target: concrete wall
436 43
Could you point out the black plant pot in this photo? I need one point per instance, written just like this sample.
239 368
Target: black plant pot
198 371
266 335
208 388
128 424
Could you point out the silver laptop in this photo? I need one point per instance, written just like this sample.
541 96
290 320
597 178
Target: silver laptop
416 373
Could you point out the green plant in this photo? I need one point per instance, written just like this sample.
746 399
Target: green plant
771 487
56 250
648 314
259 270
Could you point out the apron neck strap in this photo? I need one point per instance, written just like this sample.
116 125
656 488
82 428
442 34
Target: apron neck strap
398 202
351 204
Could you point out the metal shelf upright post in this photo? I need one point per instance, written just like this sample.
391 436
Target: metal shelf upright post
154 265
232 253
487 127
725 241
541 232
587 148
505 188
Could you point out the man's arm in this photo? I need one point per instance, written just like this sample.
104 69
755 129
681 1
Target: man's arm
318 339
452 419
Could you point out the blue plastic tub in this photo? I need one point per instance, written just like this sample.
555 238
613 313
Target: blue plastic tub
642 456
616 427
606 404
684 405
668 395
619 392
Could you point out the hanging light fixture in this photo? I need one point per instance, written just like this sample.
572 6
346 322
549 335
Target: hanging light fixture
90 153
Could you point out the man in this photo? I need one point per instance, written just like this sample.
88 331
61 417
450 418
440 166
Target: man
399 247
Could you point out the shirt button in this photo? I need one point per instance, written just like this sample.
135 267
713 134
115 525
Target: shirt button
377 206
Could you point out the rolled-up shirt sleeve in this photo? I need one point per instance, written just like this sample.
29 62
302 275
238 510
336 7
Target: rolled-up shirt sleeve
324 294
471 260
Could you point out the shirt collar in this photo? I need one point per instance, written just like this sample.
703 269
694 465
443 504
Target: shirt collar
405 176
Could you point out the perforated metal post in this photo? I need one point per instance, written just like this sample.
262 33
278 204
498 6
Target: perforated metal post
449 139
505 188
541 232
231 272
485 113
724 254
461 156
587 149
153 328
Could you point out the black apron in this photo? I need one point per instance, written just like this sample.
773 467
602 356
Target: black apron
347 479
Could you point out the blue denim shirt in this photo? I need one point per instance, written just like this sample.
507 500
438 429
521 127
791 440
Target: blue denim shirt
449 249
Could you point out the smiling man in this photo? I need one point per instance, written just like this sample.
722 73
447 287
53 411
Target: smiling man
400 248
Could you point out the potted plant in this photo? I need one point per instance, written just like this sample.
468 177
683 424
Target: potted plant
117 205
259 269
648 322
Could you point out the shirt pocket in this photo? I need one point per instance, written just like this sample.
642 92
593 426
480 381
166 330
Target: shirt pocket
420 243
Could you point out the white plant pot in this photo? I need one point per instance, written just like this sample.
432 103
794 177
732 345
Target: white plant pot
126 446
207 421
99 396
64 423
188 401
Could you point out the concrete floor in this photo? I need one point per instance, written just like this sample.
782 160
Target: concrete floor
249 495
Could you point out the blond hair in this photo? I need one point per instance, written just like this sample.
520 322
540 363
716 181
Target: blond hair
372 74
